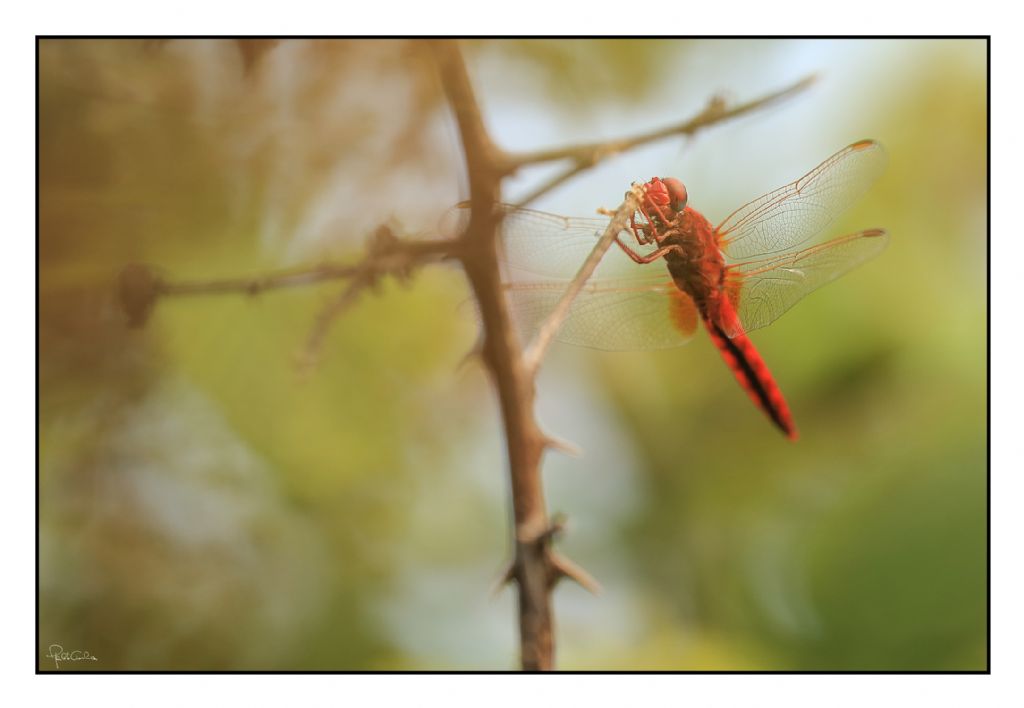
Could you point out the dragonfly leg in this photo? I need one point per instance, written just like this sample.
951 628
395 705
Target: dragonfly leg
641 233
648 258
663 219
651 234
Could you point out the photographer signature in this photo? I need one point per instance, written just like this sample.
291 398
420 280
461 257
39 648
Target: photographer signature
58 655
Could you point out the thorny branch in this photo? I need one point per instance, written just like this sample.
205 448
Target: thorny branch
531 568
536 567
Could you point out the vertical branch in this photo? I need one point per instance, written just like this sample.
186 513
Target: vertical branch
532 569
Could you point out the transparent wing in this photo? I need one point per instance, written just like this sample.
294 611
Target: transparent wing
624 306
762 290
788 216
609 314
551 245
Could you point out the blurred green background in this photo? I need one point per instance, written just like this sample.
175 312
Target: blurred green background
204 504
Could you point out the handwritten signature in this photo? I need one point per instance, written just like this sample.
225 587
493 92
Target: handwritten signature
58 655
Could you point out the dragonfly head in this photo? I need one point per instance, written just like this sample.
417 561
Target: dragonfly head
665 192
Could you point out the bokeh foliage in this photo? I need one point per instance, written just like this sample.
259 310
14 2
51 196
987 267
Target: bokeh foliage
204 503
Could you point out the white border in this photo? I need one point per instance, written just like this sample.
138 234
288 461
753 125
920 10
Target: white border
18 600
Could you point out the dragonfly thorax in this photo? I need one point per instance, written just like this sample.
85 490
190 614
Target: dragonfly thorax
696 264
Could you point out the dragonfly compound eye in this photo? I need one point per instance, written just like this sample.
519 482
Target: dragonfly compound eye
676 192
656 193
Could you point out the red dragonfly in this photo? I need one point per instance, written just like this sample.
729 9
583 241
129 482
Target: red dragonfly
736 277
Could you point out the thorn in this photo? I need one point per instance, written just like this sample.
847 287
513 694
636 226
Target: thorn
504 579
564 567
382 241
717 105
138 288
555 527
475 353
563 446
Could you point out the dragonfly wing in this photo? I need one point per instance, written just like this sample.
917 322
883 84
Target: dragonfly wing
548 245
762 290
623 306
788 216
611 315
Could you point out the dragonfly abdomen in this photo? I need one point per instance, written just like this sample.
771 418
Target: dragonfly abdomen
753 375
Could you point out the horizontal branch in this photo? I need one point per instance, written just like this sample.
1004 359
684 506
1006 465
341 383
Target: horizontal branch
140 285
588 155
591 153
260 283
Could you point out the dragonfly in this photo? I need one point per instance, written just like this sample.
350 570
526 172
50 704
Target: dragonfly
673 268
